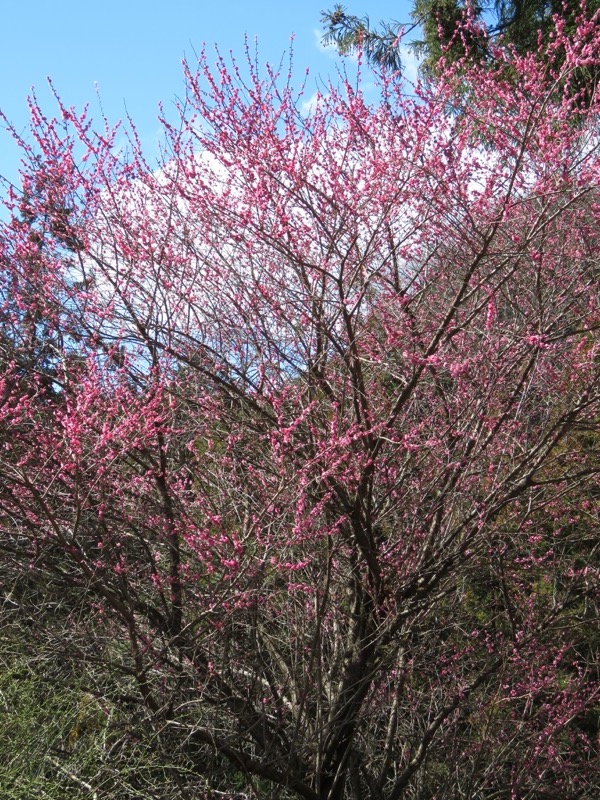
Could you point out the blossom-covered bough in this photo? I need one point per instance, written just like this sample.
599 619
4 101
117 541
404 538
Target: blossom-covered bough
300 436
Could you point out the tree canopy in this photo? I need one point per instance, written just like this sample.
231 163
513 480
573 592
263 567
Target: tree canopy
299 465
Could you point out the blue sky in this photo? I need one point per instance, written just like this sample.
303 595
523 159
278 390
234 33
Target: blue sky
132 50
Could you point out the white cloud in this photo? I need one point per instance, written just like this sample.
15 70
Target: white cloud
410 63
309 105
329 49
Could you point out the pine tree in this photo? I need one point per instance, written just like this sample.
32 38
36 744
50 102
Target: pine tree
523 24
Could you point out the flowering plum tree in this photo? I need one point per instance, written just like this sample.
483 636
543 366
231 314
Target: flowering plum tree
299 463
